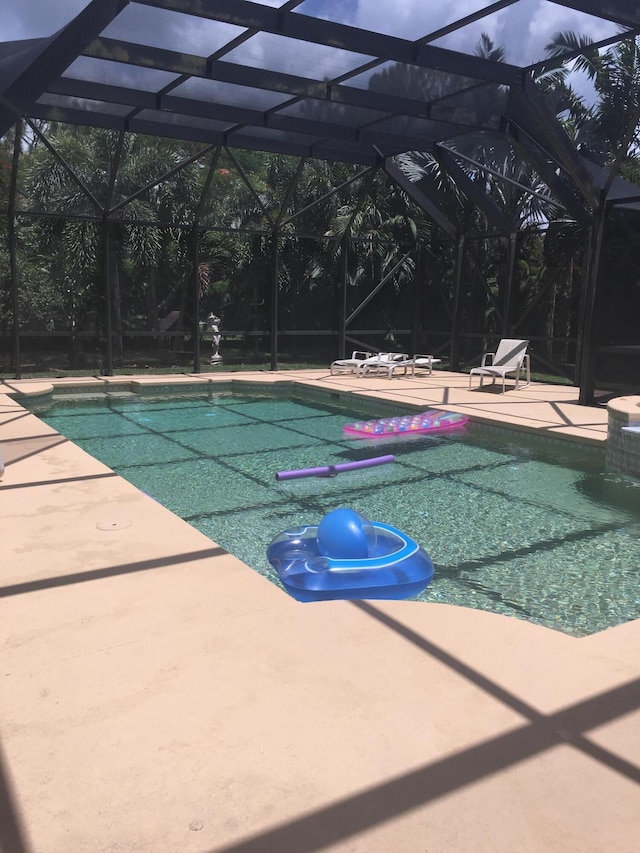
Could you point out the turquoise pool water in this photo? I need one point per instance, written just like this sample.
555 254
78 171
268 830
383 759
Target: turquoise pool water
526 527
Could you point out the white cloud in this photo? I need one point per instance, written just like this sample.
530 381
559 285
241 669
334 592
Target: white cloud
25 19
551 19
411 19
523 29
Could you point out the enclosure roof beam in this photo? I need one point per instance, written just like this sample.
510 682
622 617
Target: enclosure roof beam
116 50
232 114
235 116
243 13
317 148
48 59
622 12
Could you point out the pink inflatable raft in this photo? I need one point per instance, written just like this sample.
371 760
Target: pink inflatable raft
431 421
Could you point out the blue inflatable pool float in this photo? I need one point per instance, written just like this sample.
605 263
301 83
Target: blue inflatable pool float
348 556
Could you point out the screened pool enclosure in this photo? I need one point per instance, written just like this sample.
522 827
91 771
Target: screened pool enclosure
321 175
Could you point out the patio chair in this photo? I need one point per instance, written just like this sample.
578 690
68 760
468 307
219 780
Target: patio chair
350 365
510 358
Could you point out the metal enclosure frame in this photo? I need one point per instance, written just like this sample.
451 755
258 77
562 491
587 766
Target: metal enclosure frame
389 95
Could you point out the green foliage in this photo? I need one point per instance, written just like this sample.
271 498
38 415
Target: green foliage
600 130
365 230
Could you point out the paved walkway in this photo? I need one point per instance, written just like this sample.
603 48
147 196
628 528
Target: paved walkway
160 696
543 408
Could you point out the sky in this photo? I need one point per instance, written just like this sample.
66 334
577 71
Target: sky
526 26
523 29
34 19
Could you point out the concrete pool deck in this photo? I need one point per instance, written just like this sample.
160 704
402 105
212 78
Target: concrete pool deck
158 695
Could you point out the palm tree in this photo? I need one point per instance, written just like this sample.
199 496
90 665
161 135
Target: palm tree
600 129
91 173
517 193
276 198
382 230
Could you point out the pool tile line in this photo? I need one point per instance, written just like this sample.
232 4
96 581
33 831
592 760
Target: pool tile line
435 391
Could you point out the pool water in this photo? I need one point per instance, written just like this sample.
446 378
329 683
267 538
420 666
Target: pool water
531 528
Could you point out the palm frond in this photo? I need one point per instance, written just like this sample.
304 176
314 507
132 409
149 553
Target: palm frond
567 42
487 49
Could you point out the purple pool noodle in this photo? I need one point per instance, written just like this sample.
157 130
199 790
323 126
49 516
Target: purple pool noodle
329 470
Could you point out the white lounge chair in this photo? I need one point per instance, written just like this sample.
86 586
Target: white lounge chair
423 362
510 358
384 362
400 361
350 365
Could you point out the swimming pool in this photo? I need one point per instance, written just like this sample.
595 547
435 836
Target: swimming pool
531 528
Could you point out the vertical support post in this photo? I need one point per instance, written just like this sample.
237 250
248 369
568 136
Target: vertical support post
196 300
585 279
106 240
11 239
15 306
197 361
342 301
275 273
417 300
587 332
506 305
454 356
